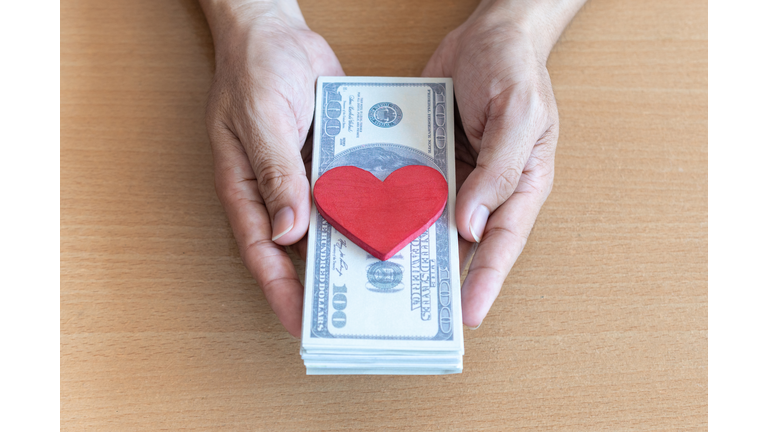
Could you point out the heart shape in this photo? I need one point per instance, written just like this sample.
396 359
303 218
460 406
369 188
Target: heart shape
381 216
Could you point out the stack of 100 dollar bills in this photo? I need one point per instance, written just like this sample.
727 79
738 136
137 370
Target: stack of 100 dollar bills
403 315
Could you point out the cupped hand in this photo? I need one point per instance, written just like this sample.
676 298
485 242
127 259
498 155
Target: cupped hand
505 161
259 112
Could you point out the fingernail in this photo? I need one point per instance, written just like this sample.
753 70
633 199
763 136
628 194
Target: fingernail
475 327
477 222
282 223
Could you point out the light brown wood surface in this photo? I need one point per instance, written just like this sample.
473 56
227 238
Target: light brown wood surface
602 324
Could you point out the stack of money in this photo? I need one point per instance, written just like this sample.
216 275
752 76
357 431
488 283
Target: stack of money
403 315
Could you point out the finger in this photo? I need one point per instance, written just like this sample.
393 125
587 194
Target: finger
505 236
271 140
268 263
514 124
300 248
466 251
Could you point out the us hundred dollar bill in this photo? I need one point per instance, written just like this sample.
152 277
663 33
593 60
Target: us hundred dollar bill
353 301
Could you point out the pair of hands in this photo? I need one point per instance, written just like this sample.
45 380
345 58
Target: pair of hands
261 107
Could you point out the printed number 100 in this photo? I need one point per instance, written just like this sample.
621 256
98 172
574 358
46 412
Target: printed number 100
339 318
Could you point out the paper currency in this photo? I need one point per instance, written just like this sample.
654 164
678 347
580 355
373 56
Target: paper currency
403 315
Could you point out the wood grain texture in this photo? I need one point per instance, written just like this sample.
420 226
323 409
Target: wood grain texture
602 324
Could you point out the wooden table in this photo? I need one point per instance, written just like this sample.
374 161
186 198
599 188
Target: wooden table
602 324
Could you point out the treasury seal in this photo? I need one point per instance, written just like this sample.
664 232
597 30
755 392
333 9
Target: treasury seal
385 276
385 114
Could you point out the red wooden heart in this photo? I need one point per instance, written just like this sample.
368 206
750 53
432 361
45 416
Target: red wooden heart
381 217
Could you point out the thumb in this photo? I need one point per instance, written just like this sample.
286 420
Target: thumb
274 150
507 142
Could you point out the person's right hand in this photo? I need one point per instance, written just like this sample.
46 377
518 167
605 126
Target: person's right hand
259 112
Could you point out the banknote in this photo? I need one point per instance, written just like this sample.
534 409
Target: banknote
356 305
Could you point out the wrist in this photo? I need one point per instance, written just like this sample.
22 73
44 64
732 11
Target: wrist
539 22
228 16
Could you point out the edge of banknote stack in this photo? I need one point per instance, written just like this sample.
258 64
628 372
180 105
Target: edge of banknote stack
362 315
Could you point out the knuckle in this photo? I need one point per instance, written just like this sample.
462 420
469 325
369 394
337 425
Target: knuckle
274 183
543 188
272 178
551 135
511 236
503 177
229 191
506 182
496 273
257 249
226 190
542 163
272 285
503 104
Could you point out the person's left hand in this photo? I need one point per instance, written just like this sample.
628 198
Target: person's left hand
505 163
